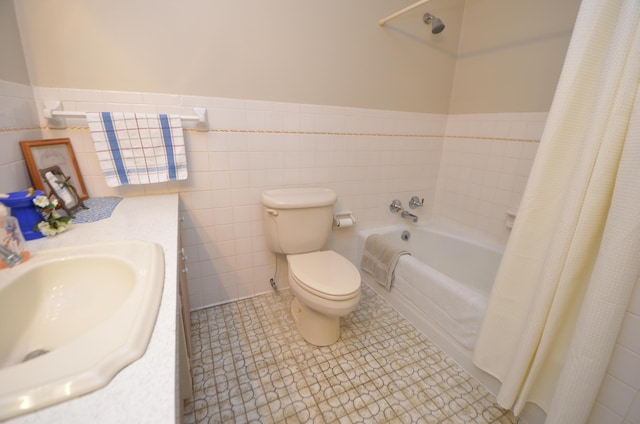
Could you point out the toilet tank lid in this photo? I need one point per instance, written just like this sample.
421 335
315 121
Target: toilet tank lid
303 197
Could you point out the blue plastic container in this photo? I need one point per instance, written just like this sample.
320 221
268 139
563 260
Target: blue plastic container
25 211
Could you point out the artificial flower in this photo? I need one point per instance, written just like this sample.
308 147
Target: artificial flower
53 222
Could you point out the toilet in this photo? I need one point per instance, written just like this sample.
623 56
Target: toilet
326 285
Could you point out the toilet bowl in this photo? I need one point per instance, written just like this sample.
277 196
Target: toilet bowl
326 287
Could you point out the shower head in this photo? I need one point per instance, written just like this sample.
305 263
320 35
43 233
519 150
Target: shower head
436 24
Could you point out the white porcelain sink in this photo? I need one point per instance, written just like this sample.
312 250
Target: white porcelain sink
72 318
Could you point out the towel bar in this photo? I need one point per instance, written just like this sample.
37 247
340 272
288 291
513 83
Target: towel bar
56 116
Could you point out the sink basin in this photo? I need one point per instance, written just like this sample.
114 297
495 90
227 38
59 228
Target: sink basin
72 318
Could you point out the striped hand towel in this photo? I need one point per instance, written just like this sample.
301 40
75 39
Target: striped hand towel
138 148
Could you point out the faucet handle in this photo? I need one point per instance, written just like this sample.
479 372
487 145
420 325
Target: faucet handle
416 202
395 206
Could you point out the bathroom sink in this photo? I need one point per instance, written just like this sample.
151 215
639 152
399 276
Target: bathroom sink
72 318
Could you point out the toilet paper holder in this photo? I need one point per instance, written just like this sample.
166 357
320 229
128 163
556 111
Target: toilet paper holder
343 219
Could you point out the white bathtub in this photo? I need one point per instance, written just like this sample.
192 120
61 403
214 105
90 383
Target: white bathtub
443 289
444 285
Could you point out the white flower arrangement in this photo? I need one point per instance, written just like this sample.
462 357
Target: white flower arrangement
43 202
53 222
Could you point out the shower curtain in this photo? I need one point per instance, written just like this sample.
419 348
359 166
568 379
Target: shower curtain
573 257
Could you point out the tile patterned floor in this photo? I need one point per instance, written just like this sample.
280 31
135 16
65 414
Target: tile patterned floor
250 365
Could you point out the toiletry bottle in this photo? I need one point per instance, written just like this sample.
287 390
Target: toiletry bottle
11 236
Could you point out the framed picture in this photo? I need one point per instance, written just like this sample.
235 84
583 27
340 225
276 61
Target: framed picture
44 154
62 189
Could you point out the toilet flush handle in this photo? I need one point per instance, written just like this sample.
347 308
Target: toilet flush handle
272 212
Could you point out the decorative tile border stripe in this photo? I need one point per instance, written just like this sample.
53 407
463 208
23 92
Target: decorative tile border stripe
9 129
330 133
335 133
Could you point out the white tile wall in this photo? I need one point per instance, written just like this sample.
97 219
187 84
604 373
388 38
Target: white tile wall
18 114
619 397
633 414
367 156
485 164
603 415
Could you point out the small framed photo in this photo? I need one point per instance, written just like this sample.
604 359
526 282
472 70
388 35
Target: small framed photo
62 189
44 154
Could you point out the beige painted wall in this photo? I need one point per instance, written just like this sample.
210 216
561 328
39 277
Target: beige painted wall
321 52
494 55
511 54
12 64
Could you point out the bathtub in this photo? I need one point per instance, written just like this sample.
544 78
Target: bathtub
444 285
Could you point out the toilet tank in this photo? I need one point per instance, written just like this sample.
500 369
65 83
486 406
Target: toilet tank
297 220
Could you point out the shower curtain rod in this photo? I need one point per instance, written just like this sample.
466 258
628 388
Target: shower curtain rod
382 21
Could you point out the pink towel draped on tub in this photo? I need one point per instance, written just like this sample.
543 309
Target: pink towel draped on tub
138 148
380 258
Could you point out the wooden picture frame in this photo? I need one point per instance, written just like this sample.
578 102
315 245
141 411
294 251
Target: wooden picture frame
43 154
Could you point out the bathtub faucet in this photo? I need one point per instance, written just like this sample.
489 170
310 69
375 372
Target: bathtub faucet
408 215
395 206
416 202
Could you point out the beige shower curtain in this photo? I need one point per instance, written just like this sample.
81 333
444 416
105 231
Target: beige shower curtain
574 253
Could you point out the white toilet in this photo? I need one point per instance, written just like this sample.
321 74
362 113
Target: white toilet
326 286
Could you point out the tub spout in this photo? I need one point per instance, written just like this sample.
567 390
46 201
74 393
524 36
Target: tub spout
408 215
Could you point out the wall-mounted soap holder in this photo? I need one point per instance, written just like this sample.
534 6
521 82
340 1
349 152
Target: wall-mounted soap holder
511 217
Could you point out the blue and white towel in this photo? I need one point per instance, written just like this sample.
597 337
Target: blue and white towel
138 148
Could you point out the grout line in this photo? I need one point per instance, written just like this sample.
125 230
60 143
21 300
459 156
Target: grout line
337 385
475 137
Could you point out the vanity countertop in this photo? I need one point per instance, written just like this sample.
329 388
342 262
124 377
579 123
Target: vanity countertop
145 391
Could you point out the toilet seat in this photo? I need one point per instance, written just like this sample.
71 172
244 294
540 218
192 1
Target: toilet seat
325 274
